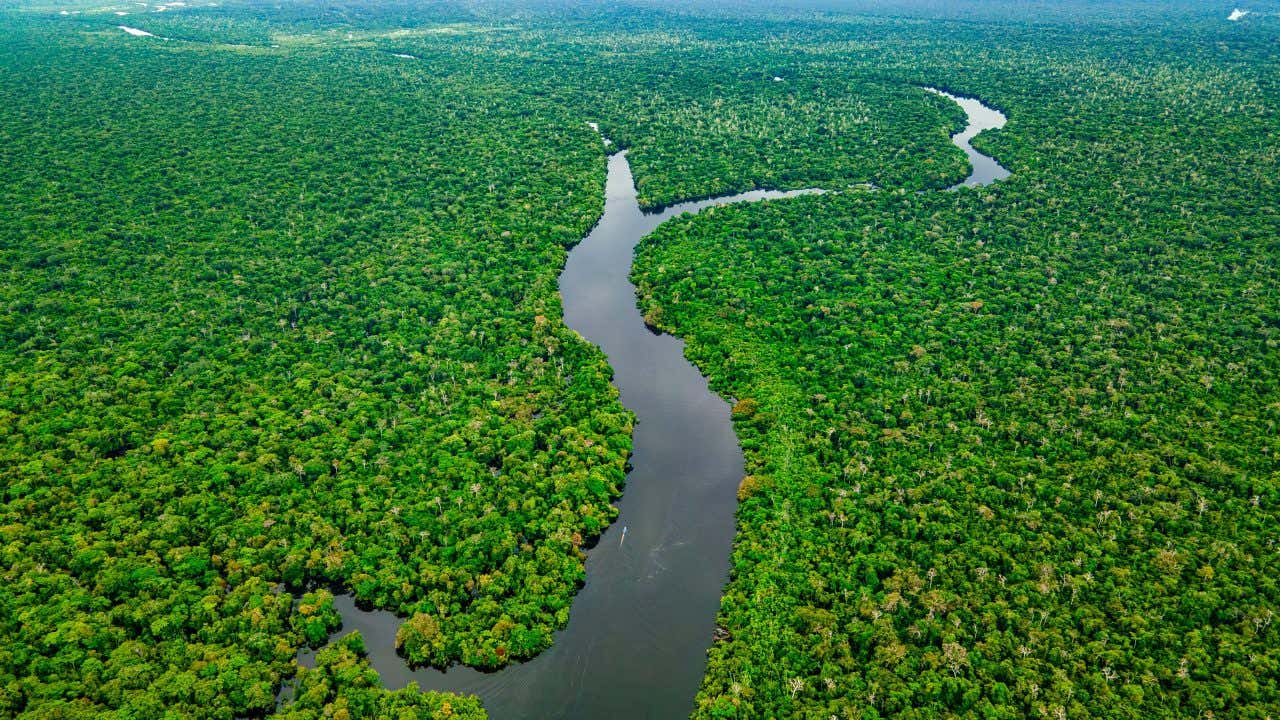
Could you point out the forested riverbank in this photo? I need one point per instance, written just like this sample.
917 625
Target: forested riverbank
262 335
281 314
1011 452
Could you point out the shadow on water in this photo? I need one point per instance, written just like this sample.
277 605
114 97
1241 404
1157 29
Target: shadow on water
635 646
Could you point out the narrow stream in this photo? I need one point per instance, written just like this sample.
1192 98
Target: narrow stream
985 170
635 646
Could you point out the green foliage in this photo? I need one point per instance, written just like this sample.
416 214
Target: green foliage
342 686
420 640
717 129
280 312
1013 451
275 320
315 618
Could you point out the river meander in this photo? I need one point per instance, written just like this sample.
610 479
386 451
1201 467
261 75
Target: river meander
635 646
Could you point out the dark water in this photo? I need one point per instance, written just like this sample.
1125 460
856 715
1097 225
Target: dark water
635 646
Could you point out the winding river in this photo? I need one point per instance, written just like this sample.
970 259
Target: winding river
984 169
635 646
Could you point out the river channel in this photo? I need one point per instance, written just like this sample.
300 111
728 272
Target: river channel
635 646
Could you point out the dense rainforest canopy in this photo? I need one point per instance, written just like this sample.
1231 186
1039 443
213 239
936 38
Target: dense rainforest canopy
280 320
1013 452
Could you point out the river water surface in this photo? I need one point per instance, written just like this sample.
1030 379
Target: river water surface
984 168
635 646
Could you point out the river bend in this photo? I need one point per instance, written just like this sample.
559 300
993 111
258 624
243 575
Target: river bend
635 646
